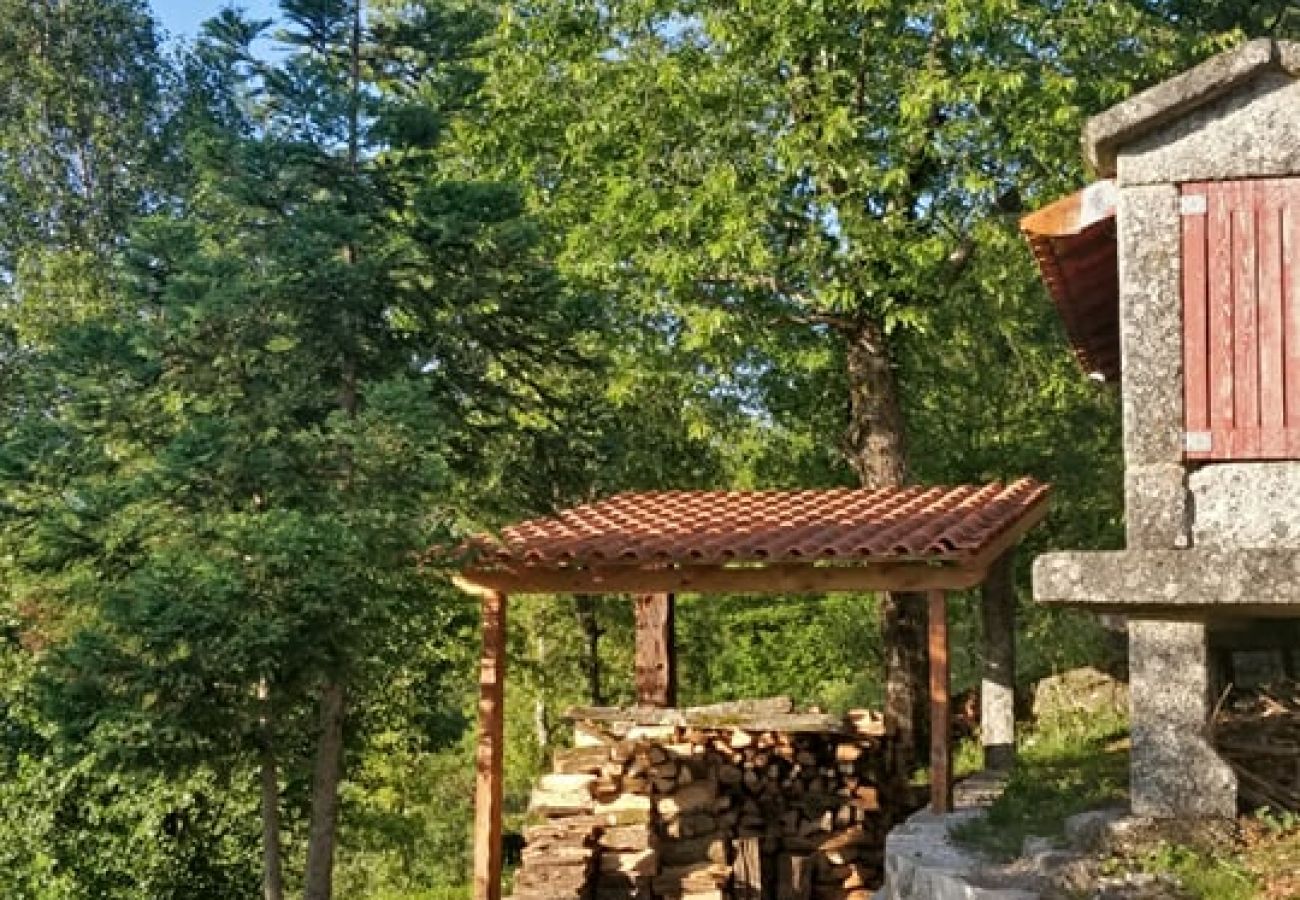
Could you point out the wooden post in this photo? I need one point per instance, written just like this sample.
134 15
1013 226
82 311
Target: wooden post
940 706
491 750
998 690
656 651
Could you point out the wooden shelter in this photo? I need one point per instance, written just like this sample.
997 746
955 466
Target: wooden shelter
655 545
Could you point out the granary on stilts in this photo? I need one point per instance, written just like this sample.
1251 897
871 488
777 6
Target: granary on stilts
1178 277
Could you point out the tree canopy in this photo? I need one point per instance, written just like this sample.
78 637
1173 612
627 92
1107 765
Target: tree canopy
274 326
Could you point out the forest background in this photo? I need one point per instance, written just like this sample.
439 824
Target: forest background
273 324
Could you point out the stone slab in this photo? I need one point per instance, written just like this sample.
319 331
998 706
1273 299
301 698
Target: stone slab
923 863
1250 132
1157 106
1157 583
1247 505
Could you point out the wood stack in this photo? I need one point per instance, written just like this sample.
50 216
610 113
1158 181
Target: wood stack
706 810
1258 733
559 855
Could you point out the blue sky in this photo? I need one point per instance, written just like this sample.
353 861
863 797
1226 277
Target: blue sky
181 18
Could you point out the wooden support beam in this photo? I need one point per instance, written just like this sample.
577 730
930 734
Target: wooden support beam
940 706
656 650
785 578
998 689
490 753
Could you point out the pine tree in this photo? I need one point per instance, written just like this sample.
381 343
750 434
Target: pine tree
261 416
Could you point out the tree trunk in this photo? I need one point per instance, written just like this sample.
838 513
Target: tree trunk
541 715
590 622
328 772
876 449
272 866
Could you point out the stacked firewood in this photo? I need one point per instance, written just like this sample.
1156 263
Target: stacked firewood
709 811
1258 733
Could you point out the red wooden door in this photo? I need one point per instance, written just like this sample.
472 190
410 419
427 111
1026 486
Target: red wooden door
1241 319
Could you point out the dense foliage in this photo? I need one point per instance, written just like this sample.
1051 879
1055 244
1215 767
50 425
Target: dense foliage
275 323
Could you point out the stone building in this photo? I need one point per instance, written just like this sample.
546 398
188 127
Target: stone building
1178 276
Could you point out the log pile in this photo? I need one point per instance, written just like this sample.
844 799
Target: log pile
1258 734
713 812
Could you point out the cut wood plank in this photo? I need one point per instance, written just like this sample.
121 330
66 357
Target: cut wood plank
747 882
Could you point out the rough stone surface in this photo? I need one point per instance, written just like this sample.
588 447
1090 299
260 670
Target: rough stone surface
1079 693
1247 505
1158 509
1151 325
1175 771
1251 132
1169 100
1087 831
923 863
1173 583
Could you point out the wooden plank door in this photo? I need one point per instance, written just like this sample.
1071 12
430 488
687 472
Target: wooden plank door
1241 319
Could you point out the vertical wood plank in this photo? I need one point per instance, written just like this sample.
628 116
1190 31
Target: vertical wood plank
1220 311
794 877
656 650
940 706
1272 350
490 753
747 881
1290 226
1245 324
1196 374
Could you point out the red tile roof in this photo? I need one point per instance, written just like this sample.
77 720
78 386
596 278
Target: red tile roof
1074 241
716 527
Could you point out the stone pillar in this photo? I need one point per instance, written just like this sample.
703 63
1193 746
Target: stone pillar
1175 771
998 690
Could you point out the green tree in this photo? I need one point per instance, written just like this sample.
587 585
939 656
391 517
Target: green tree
80 117
782 175
256 422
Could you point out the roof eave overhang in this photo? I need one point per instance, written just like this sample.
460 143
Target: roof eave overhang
1074 241
1145 112
814 576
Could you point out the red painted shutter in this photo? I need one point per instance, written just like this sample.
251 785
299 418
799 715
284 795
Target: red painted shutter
1241 319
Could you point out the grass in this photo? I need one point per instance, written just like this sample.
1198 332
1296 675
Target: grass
1264 865
1075 764
1069 766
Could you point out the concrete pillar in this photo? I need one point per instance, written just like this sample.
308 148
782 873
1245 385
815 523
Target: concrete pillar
998 689
1175 771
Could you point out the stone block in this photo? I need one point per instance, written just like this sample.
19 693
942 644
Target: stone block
1086 831
1251 132
1175 772
1157 507
1247 505
1151 324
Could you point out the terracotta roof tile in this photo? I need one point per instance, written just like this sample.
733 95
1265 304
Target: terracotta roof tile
714 527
